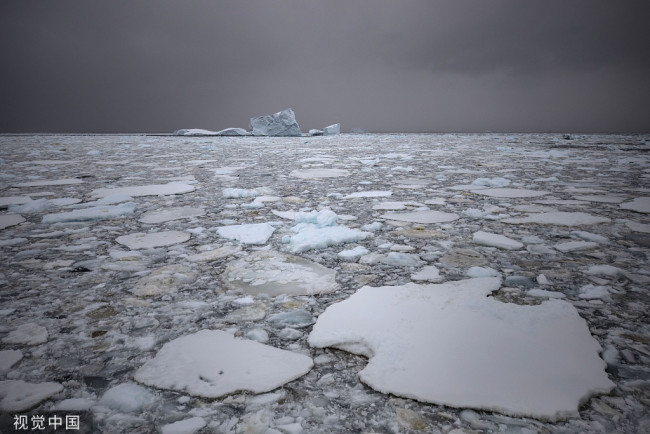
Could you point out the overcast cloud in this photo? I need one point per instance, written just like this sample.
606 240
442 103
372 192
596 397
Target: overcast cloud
410 66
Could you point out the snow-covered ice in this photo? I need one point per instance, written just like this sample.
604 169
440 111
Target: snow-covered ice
421 216
319 173
185 426
559 218
27 334
7 220
127 398
511 192
19 395
212 363
145 190
450 344
639 204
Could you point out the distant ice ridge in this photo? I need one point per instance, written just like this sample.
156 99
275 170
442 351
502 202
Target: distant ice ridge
450 344
318 230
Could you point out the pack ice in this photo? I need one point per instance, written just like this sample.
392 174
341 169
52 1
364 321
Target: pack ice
452 344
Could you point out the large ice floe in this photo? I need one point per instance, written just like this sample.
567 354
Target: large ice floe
559 218
212 363
454 345
275 273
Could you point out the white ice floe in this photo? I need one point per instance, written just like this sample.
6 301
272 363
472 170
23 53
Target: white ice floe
169 214
428 273
145 190
150 240
511 192
111 199
8 358
638 227
639 204
591 292
254 233
27 334
92 213
399 259
542 293
74 404
127 398
604 270
605 198
7 220
185 426
572 246
373 193
319 173
353 253
426 216
476 271
235 193
372 227
18 395
591 237
452 345
318 230
164 280
64 181
212 363
559 218
13 200
496 240
276 273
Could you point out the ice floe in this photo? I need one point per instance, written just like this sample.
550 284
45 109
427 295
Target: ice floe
212 363
511 192
51 182
127 398
451 345
185 426
145 190
496 240
373 193
427 216
7 220
319 173
170 214
92 213
318 230
153 239
19 395
559 218
639 204
27 334
254 233
164 280
276 273
8 358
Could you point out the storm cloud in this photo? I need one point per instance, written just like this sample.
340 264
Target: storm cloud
408 66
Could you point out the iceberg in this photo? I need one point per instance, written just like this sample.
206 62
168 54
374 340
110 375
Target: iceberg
279 124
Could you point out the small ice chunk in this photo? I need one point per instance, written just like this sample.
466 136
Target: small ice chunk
297 318
13 200
542 293
127 398
542 280
373 193
476 271
164 280
591 292
491 182
18 395
428 273
511 192
185 426
353 253
604 270
289 333
318 230
212 363
400 259
638 227
27 334
257 335
319 173
496 240
372 227
255 233
74 404
235 193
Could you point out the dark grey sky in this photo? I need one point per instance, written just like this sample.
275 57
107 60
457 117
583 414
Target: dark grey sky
383 65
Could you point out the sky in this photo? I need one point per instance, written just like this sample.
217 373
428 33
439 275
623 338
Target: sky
382 65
